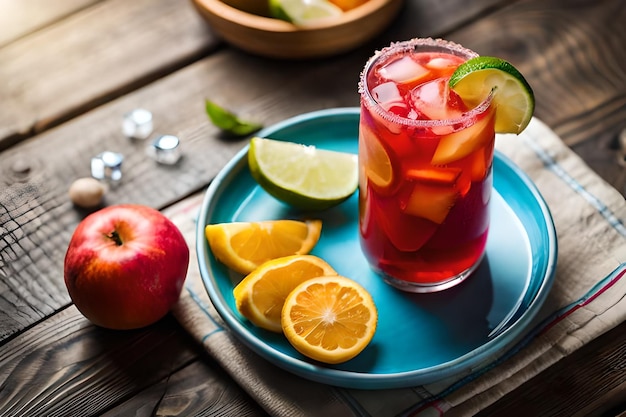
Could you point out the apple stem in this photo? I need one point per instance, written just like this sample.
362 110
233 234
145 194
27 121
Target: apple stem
115 237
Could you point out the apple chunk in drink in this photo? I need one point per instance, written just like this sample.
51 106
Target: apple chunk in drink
425 167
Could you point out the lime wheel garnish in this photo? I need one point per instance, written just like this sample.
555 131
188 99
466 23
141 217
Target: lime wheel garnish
513 97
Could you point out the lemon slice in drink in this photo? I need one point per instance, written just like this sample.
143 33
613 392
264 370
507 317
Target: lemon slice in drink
303 176
375 160
304 12
513 97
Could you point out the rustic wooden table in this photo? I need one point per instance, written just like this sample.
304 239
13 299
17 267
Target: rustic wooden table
68 72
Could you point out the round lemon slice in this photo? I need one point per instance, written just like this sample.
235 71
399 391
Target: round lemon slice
513 97
330 319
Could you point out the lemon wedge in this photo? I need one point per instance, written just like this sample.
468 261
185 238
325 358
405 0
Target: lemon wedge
244 246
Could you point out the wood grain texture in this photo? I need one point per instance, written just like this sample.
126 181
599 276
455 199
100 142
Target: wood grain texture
77 64
66 366
21 17
54 363
196 390
571 385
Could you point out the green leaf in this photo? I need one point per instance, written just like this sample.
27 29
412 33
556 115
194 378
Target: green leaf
228 121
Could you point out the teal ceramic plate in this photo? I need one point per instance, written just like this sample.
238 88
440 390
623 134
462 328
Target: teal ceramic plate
421 338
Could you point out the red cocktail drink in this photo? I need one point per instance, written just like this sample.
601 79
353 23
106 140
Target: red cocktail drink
425 164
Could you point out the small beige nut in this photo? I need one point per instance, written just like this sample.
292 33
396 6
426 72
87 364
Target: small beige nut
86 192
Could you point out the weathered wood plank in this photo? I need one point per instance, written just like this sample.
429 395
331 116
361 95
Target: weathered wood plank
67 366
196 390
21 17
79 63
433 18
51 366
576 385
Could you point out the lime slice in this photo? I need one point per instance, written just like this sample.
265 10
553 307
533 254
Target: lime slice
513 97
303 176
304 12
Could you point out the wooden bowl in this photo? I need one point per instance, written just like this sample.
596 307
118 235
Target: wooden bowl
276 38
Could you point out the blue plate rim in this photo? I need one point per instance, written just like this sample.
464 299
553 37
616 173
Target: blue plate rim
463 364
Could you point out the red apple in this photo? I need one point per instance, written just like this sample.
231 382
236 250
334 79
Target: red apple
125 266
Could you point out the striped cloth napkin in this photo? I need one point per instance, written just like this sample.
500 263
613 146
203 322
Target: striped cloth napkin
586 300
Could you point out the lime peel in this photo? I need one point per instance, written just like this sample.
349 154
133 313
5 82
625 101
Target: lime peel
303 176
513 97
304 12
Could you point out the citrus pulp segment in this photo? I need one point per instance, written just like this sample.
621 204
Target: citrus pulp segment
431 202
304 12
303 176
513 97
260 295
330 319
244 246
457 145
375 159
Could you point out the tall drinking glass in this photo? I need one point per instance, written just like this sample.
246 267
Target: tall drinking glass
425 164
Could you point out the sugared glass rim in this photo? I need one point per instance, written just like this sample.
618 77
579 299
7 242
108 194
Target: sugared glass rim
424 45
